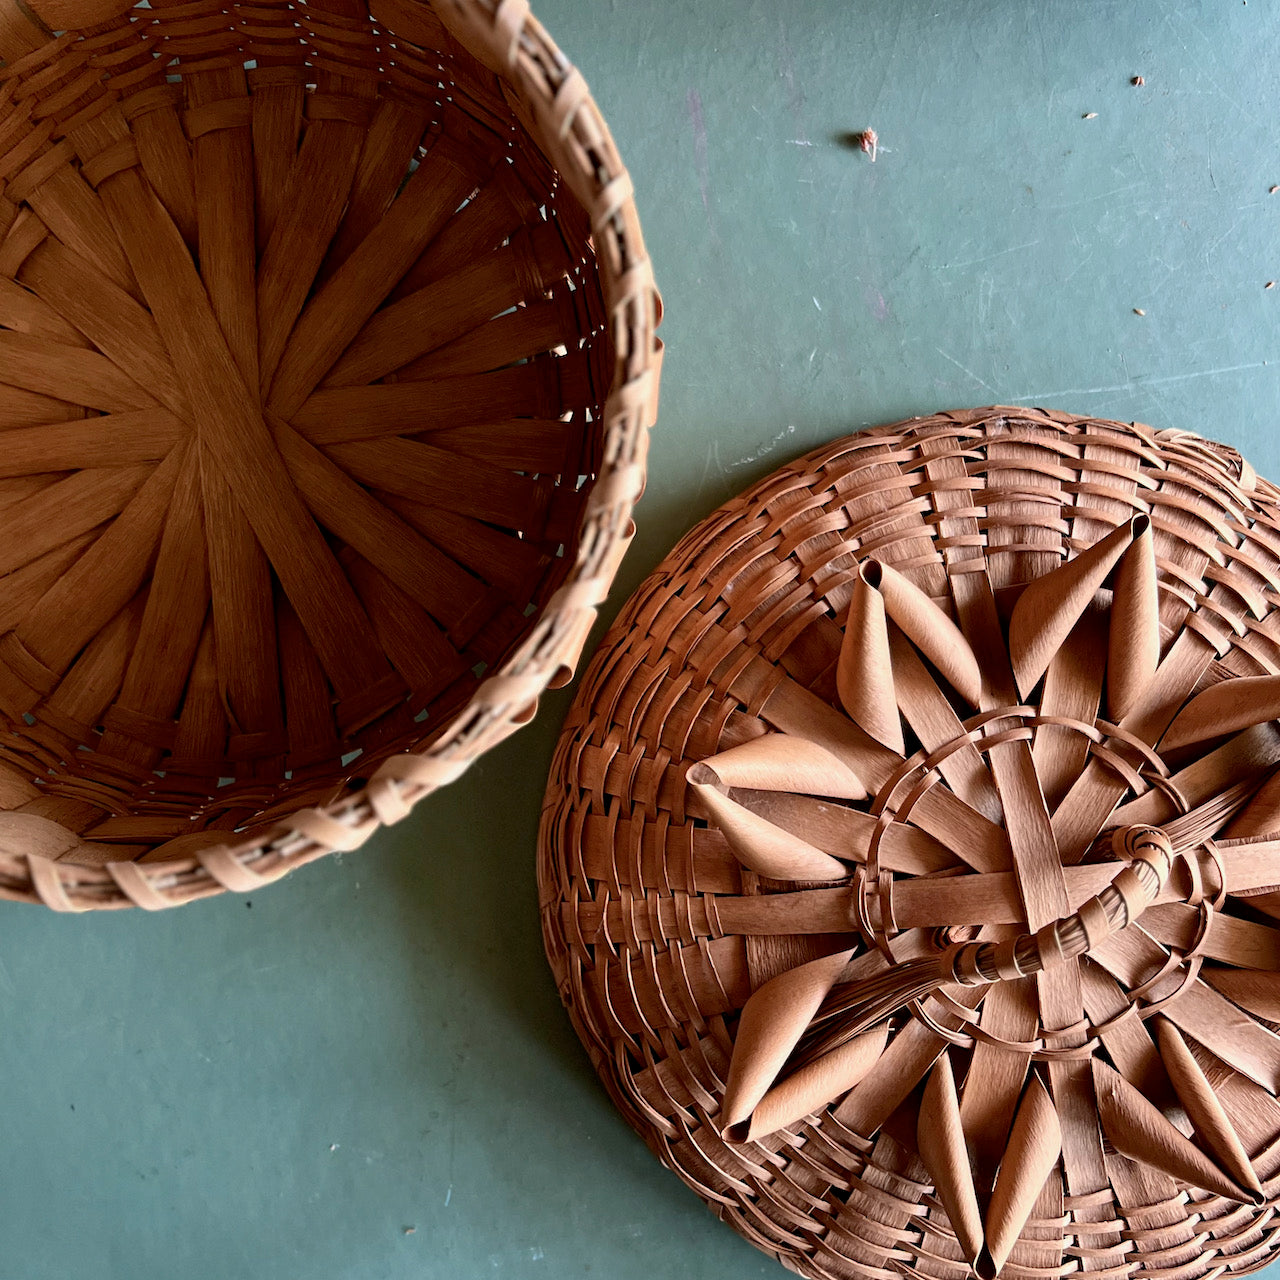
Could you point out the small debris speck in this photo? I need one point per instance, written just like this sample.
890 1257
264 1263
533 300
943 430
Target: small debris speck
866 140
1138 80
1138 311
1089 115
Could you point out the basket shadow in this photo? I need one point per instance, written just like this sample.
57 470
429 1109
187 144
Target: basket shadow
523 1085
463 866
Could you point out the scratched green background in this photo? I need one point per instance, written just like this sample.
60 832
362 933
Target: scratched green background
282 1086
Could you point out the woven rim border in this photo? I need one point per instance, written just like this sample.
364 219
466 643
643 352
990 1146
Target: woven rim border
551 99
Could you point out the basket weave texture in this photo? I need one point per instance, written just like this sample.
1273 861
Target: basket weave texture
327 363
910 863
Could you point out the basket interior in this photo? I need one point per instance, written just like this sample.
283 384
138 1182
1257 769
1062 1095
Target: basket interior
302 359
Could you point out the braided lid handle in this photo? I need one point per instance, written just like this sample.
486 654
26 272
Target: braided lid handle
975 964
1148 856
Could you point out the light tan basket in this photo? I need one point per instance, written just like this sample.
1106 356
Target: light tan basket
910 863
327 362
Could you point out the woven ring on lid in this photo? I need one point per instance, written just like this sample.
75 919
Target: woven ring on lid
909 865
328 344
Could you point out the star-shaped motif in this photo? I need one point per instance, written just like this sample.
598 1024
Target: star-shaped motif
1056 859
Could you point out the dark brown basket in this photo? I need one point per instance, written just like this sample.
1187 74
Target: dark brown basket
327 361
910 864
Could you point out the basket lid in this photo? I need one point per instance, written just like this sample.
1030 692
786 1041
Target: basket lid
910 859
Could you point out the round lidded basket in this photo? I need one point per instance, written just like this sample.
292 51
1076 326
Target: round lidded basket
910 863
327 363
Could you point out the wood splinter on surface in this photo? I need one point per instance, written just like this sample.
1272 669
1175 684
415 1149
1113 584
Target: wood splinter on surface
866 140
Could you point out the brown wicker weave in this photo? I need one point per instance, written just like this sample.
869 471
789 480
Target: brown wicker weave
327 361
946 755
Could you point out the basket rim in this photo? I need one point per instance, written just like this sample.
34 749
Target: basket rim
552 101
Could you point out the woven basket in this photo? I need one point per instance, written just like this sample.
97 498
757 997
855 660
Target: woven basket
327 362
910 864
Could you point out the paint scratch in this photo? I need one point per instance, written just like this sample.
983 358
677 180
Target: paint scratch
713 460
1136 383
968 372
765 449
1093 199
701 160
795 96
986 257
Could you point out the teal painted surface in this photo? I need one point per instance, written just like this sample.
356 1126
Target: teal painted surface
282 1088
